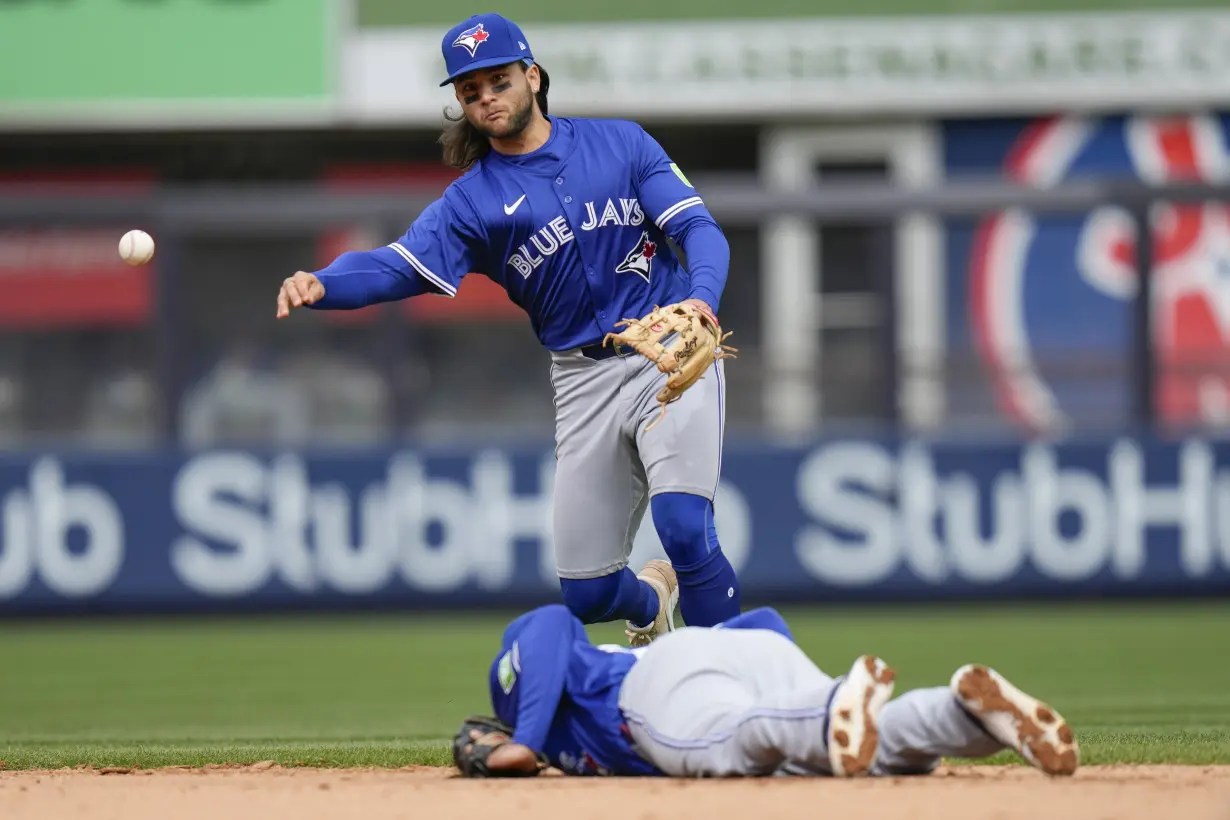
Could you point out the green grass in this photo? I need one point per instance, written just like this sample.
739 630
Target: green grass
129 754
1142 683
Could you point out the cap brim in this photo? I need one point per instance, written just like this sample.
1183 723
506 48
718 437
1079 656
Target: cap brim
490 62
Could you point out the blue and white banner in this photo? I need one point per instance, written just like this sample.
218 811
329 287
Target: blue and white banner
847 519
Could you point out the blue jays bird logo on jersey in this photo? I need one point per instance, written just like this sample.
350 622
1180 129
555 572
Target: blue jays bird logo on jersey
471 39
640 259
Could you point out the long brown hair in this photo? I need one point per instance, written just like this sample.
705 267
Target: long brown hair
464 144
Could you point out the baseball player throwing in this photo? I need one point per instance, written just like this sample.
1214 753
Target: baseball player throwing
737 699
570 216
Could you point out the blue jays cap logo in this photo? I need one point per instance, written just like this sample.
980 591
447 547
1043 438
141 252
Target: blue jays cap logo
482 41
471 38
1045 289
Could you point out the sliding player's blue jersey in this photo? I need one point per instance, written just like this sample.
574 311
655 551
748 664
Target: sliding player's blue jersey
561 694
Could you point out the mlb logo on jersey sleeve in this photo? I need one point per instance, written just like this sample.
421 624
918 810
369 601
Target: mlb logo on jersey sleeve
471 39
507 669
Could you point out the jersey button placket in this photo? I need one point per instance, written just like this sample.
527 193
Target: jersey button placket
589 269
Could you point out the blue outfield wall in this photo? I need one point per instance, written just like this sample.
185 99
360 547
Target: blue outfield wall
841 520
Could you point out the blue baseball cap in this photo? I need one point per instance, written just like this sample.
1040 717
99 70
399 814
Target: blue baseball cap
483 41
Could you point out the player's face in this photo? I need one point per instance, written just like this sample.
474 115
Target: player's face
498 101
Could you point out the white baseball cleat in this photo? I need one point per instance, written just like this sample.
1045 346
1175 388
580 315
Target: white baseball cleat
660 575
853 733
1020 721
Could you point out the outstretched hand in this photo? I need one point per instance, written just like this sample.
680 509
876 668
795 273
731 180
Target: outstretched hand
301 289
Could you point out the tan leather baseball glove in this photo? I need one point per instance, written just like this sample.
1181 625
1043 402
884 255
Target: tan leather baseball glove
681 339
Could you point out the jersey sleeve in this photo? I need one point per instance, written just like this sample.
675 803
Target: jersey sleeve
442 245
527 681
676 208
665 192
357 279
763 618
433 256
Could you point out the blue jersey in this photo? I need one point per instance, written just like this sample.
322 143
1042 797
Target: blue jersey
574 231
561 694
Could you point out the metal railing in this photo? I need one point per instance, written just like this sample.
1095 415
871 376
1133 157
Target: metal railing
176 215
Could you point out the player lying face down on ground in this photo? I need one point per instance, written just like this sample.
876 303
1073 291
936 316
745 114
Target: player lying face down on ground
737 699
581 221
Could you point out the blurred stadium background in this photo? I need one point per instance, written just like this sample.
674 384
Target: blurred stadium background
980 283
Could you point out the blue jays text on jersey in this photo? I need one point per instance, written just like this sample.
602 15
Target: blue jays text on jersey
573 231
560 693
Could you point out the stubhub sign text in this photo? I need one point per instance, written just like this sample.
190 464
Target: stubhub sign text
846 519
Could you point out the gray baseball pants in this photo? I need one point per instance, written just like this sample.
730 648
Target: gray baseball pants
609 464
721 702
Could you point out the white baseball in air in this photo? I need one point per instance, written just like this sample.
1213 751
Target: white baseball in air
136 247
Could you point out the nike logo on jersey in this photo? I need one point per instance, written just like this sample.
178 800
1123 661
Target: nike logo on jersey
629 214
512 209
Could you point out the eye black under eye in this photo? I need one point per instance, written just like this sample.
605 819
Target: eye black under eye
504 86
471 98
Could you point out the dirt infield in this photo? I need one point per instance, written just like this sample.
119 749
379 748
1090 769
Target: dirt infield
265 791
